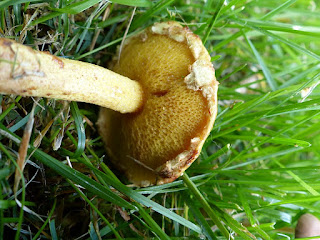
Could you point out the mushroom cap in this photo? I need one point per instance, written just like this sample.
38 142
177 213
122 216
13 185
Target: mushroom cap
156 144
307 226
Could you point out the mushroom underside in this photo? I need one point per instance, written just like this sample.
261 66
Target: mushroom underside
157 143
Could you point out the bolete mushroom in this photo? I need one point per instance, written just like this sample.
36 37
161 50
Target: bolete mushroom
156 123
308 226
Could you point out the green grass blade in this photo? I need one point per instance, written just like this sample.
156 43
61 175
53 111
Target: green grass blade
4 172
193 188
212 21
45 18
152 224
200 218
78 7
12 105
159 6
53 229
134 3
299 180
95 209
264 157
285 27
270 80
278 9
7 3
250 216
274 140
80 129
281 39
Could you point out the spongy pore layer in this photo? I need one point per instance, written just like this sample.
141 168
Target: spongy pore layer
171 118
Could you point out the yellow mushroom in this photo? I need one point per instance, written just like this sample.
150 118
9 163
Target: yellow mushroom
158 121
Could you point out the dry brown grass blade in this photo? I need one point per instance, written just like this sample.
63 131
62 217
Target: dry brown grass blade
126 33
38 140
95 38
124 214
23 150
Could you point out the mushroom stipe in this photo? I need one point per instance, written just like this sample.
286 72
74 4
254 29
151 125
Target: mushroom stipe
158 106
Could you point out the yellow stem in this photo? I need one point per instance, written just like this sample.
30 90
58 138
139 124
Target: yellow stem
26 72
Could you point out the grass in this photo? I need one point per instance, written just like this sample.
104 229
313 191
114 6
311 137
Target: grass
259 168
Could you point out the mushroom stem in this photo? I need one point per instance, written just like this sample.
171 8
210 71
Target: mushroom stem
27 72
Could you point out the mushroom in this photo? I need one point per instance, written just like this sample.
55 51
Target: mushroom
154 125
307 226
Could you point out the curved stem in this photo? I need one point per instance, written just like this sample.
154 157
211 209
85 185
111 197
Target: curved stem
26 72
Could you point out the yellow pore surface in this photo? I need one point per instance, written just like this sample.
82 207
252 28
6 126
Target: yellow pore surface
172 115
